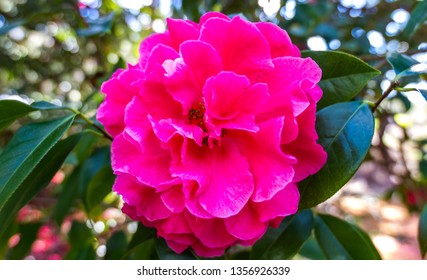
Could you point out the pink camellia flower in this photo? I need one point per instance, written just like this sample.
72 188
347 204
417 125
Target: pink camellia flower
212 130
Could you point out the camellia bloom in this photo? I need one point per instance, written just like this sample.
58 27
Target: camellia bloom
213 128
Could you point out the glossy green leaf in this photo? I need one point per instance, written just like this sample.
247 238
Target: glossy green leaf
116 246
11 110
343 75
97 26
417 18
340 240
28 234
401 62
39 178
99 186
165 253
285 241
345 132
22 156
422 232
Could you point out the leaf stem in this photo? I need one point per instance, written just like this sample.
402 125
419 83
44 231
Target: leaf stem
391 87
88 121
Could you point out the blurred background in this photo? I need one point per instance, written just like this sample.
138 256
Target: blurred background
61 51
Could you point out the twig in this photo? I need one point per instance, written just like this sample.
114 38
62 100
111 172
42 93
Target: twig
386 93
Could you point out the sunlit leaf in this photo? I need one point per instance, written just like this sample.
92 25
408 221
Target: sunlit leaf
343 75
401 62
340 240
345 131
10 110
285 241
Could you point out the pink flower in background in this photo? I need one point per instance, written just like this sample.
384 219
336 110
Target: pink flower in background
212 130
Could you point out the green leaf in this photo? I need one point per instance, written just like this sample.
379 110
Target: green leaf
285 241
69 193
116 246
166 253
97 26
345 132
422 232
340 240
418 16
39 178
343 75
11 110
311 250
98 162
99 186
24 155
143 251
28 234
401 62
141 235
414 70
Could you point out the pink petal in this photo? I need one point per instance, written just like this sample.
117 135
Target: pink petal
210 15
222 196
150 167
174 199
149 43
181 84
278 39
205 251
159 55
311 156
231 102
210 232
284 203
146 201
194 54
181 31
166 129
175 224
272 169
240 44
153 99
191 202
246 224
176 246
119 92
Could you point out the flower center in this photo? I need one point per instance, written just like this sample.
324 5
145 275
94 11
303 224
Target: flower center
196 115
